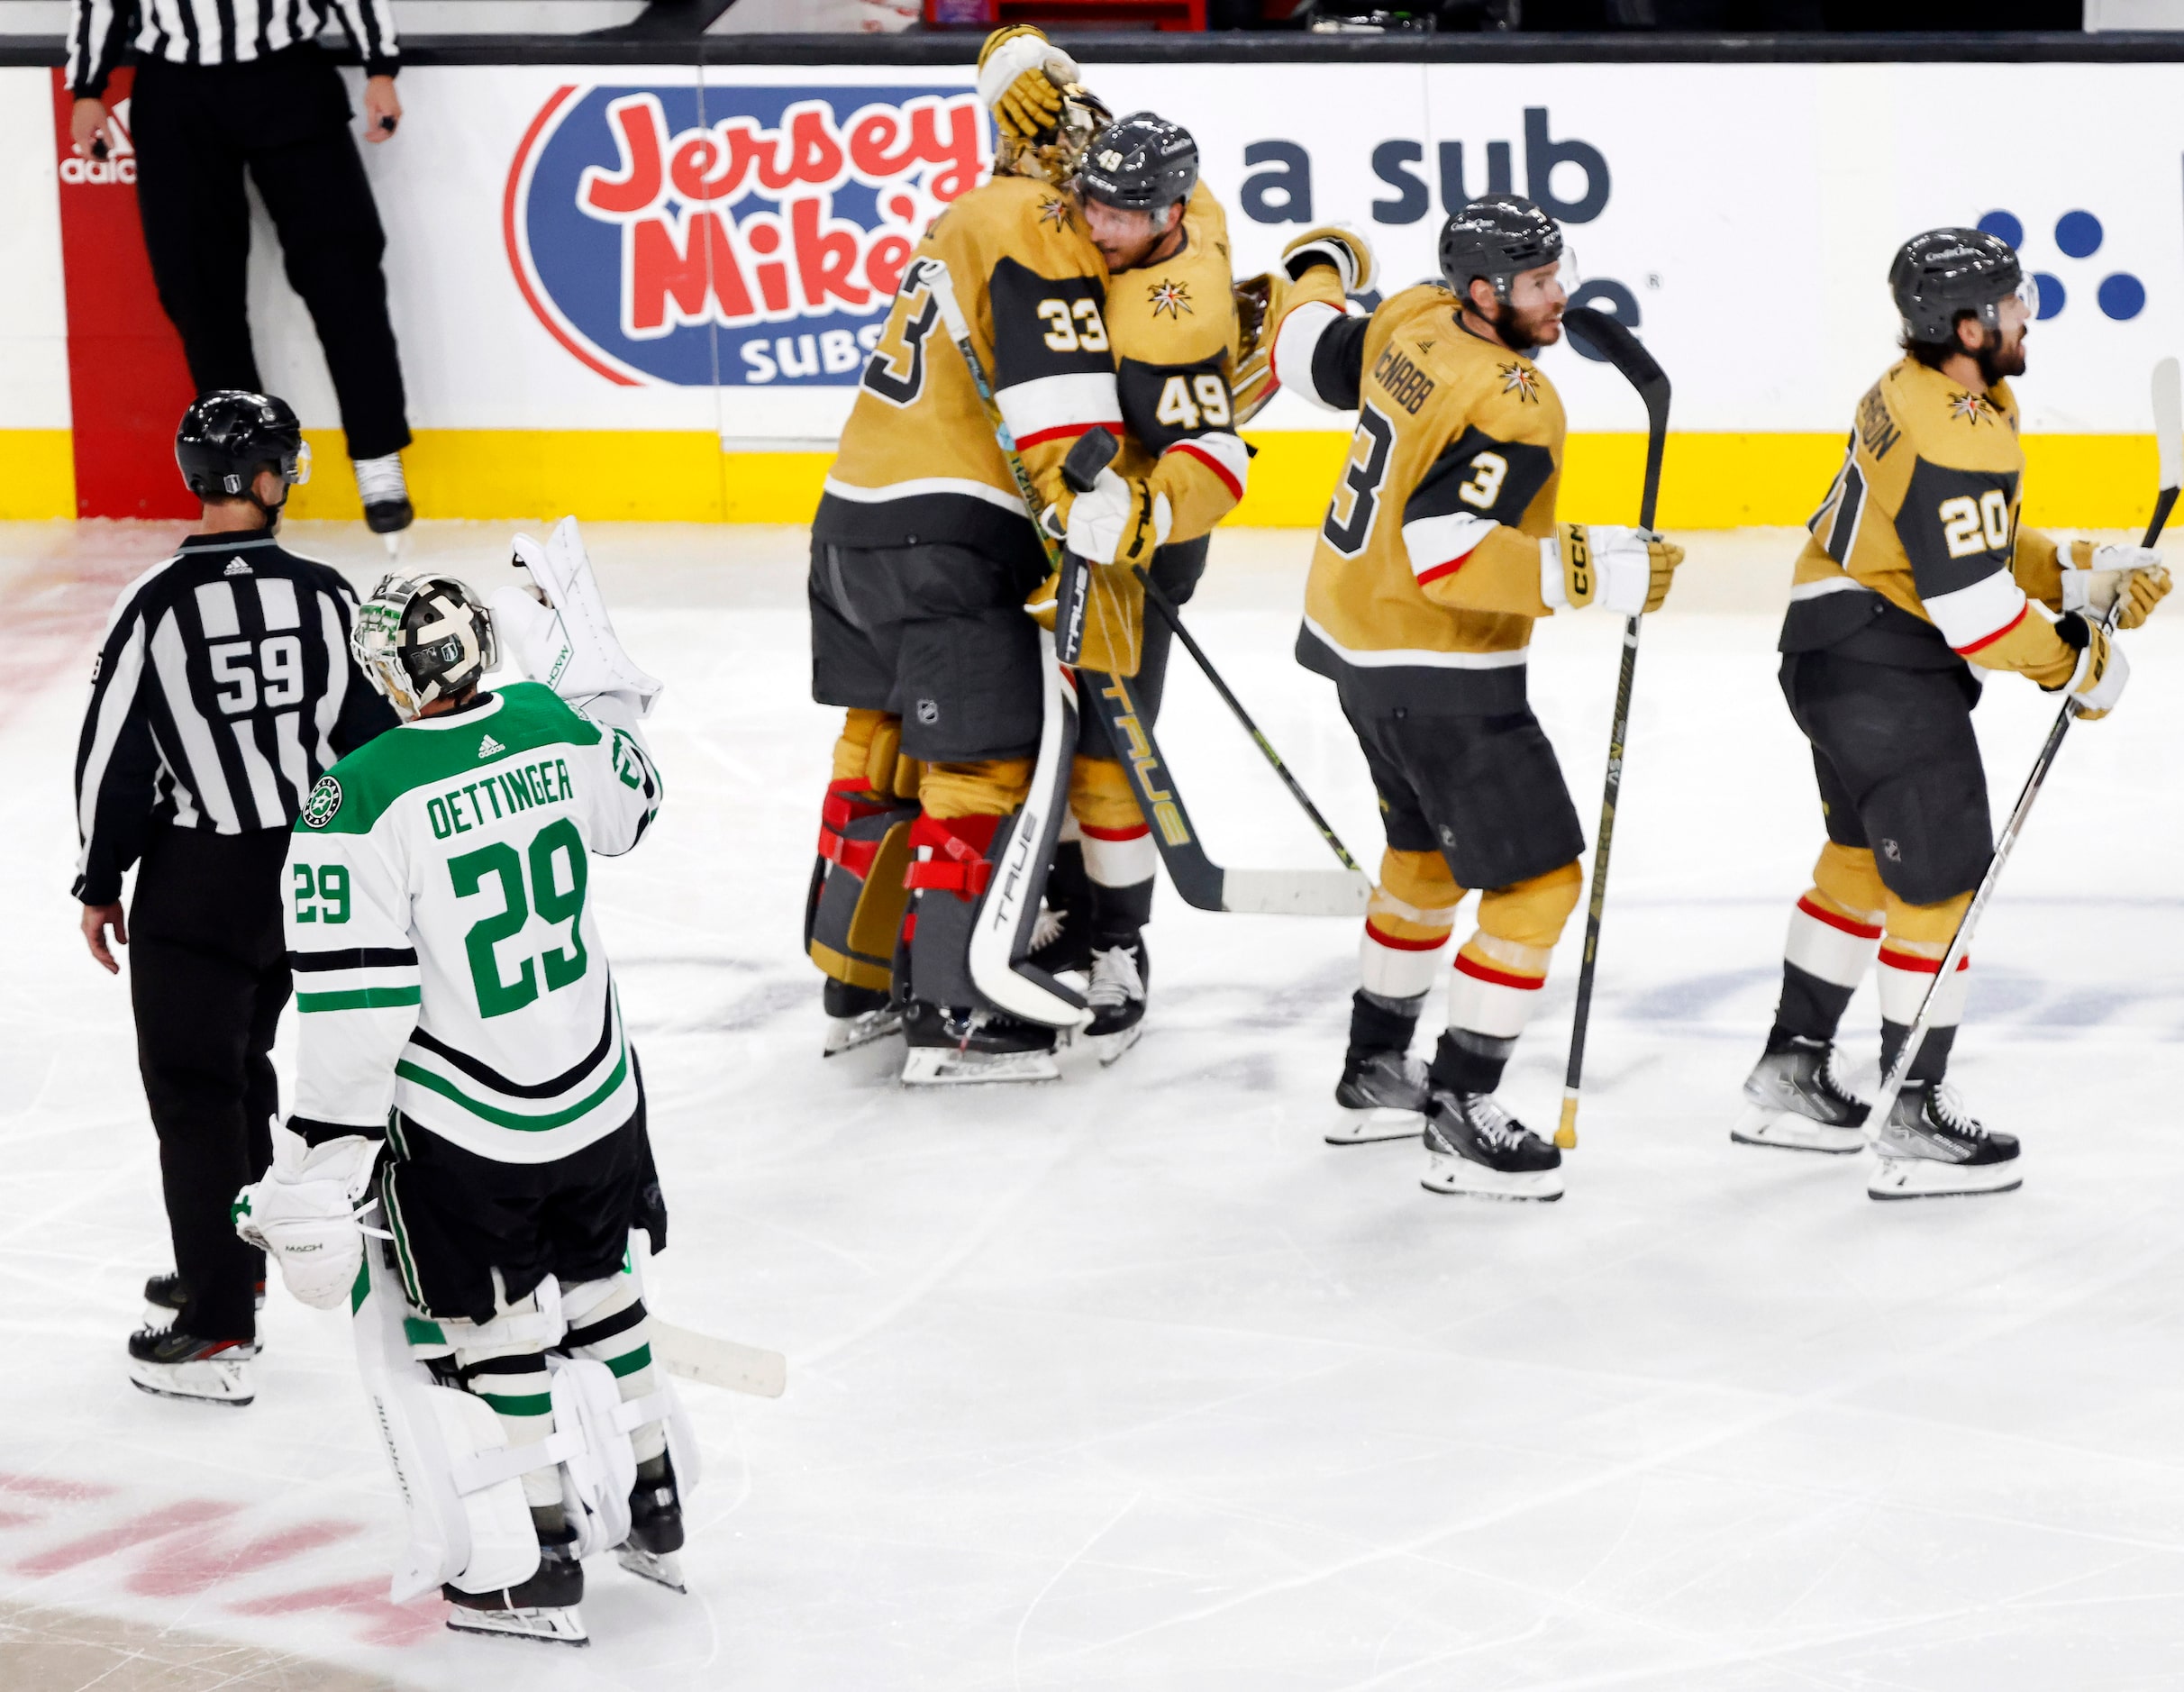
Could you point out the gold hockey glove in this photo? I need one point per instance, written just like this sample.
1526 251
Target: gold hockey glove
1021 75
2094 577
1330 244
1628 570
2098 682
1251 368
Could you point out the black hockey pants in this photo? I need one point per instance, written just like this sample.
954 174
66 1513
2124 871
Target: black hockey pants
208 974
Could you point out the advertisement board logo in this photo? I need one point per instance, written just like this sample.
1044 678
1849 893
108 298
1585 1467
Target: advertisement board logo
119 164
731 235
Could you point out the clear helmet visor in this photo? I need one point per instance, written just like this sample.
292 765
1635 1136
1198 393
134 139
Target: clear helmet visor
295 468
2028 291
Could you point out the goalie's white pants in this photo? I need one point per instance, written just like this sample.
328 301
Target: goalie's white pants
571 1429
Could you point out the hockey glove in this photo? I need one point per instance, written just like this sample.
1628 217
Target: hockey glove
1348 251
2098 682
1021 76
303 1214
1119 522
2098 575
562 636
1628 570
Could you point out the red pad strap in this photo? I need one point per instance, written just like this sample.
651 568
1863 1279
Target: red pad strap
958 847
849 801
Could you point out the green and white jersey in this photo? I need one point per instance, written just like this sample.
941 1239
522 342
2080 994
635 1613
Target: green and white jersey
447 961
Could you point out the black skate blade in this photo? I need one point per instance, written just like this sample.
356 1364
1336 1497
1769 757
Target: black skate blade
189 1397
661 1569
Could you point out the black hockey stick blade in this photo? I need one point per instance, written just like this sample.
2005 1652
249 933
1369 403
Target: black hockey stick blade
1614 342
2168 441
1203 883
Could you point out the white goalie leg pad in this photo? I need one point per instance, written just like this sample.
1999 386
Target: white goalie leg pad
461 1485
580 657
599 1474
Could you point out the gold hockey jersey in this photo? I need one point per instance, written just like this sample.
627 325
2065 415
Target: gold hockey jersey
1174 328
1426 579
1916 558
917 460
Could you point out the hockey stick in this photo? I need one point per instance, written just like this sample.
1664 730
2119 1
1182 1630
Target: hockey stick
2169 440
1610 339
1008 914
713 1362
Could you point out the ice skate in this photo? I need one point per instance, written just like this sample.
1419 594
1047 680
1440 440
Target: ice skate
543 1607
966 1048
1383 1096
171 1365
1117 998
164 1295
1932 1147
385 491
1473 1145
1793 1099
656 1531
856 1016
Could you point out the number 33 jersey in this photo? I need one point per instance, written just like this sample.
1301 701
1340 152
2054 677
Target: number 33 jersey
1426 579
446 957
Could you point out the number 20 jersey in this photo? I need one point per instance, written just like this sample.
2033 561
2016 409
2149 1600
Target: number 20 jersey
446 958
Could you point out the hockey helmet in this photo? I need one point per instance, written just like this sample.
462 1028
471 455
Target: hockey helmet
1944 273
227 436
1497 237
1139 163
422 638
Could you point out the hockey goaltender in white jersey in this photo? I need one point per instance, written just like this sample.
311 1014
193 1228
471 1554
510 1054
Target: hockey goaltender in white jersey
462 1060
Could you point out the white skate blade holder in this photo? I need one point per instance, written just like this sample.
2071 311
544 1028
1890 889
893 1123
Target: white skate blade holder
1931 1178
1785 1130
208 1380
1377 1122
846 1033
944 1066
579 656
1447 1174
1109 1048
548 1627
662 1570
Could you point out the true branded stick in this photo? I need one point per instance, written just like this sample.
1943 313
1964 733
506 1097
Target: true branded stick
1620 348
2168 439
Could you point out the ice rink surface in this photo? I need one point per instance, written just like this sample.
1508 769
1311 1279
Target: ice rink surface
1131 1381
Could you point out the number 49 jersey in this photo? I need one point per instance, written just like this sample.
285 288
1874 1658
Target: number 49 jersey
446 958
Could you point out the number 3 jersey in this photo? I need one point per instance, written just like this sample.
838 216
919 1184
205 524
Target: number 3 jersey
1916 558
1426 579
446 958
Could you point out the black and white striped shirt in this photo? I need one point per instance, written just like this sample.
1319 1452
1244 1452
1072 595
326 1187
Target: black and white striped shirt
223 691
217 32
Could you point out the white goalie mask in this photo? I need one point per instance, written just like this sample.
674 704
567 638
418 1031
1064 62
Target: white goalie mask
422 638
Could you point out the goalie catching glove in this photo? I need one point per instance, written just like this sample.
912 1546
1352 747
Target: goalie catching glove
1120 522
303 1213
2094 577
1021 79
1628 570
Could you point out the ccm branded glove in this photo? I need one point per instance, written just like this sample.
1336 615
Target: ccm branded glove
1119 522
1628 570
2094 577
303 1214
1347 250
2098 682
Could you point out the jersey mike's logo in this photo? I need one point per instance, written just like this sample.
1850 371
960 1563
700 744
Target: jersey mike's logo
738 236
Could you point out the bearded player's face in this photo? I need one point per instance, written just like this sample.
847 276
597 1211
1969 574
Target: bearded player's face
1532 316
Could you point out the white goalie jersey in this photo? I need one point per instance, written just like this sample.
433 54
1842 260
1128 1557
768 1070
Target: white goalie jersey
447 961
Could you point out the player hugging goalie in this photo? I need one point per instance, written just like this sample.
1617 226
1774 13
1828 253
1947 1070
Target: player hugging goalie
462 1062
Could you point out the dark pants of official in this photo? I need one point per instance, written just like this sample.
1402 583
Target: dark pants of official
208 974
285 119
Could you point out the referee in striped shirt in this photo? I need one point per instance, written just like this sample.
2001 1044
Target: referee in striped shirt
226 85
222 690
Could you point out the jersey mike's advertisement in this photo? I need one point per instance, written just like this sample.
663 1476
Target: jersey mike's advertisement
655 289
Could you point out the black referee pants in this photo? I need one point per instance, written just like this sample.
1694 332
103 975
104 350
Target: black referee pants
208 974
284 118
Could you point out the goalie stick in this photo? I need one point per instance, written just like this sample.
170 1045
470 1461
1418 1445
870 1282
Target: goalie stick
713 1362
1620 348
2169 440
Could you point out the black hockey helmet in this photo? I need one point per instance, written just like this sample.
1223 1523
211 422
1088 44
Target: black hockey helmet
227 436
421 638
1141 163
1496 237
1939 275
